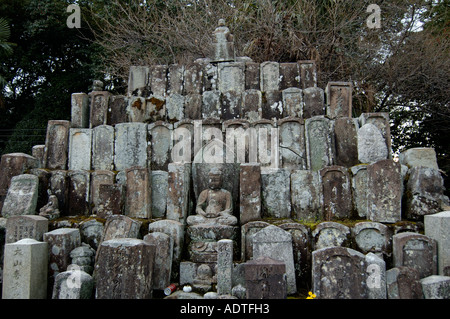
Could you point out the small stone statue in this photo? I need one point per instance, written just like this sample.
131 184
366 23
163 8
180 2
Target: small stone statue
50 210
97 85
214 205
223 43
204 278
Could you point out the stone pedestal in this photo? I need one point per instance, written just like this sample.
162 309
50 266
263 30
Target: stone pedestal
202 246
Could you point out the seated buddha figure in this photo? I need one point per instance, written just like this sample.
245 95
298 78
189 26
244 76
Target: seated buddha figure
214 205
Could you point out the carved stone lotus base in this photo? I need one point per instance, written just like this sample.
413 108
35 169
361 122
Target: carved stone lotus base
203 240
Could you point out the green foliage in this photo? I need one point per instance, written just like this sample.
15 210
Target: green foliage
50 62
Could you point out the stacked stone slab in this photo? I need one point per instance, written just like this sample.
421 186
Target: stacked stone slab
297 161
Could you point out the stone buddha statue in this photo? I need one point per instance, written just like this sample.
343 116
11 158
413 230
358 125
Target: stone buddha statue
214 205
223 43
50 210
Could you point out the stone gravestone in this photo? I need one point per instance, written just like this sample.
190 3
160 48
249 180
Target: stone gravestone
175 79
270 76
73 284
308 73
240 141
130 145
306 195
210 77
160 185
346 142
158 79
56 145
80 110
44 180
193 75
372 237
384 198
436 287
59 186
265 278
99 107
38 151
319 145
302 251
12 165
137 109
175 230
111 199
25 226
292 143
424 192
272 105
419 156
80 143
22 196
381 121
224 266
120 226
339 99
231 77
211 108
183 142
293 102
360 189
415 251
247 232
162 269
267 143
61 242
403 283
160 135
252 105
178 199
91 232
103 148
98 178
276 243
275 189
437 227
339 273
313 102
250 192
231 104
330 234
138 193
289 75
193 106
252 76
78 195
376 279
118 110
25 270
138 79
175 107
337 192
371 144
124 269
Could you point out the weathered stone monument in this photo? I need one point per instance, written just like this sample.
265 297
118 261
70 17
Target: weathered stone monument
22 196
223 178
265 278
437 227
124 269
339 273
25 270
276 243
